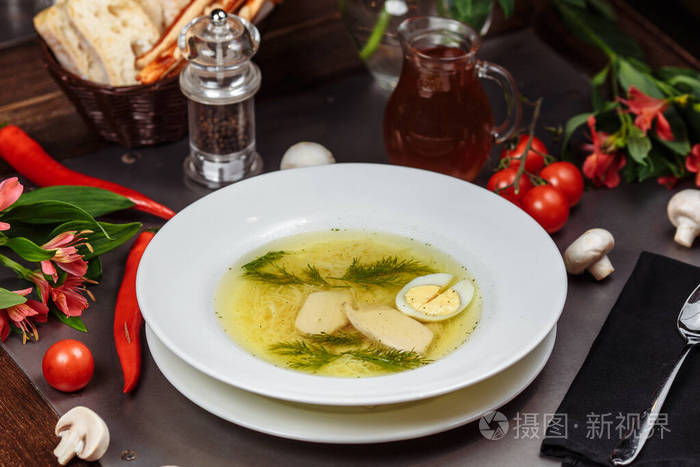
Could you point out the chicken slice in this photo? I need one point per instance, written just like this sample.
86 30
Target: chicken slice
390 327
324 312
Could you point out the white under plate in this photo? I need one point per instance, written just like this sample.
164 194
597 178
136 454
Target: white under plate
349 425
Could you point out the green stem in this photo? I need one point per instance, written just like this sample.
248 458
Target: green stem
528 146
571 15
375 37
20 270
442 9
613 78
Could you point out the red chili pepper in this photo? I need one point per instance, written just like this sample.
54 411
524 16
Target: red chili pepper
28 158
127 316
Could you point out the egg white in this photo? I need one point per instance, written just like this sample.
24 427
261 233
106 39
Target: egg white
464 290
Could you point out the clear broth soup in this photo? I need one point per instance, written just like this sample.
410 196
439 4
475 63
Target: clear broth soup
258 311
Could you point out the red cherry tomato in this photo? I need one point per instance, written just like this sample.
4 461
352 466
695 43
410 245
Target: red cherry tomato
68 365
534 161
504 178
548 206
567 178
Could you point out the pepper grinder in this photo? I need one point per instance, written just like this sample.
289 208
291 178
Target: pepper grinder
220 82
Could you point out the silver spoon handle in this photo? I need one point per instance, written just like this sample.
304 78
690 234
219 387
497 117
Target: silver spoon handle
629 448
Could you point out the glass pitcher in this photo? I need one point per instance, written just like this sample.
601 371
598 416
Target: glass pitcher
438 117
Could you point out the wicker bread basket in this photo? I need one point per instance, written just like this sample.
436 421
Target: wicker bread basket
132 116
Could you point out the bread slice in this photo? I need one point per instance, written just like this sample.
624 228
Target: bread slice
171 10
117 30
154 10
69 48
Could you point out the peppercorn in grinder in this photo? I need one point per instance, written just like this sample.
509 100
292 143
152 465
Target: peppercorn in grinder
220 82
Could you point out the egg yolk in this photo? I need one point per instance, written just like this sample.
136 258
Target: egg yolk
426 299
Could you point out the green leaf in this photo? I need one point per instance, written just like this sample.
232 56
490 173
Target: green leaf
8 298
571 126
600 77
471 12
658 165
667 72
692 120
598 31
683 79
62 276
686 84
604 8
680 145
39 234
667 89
94 271
49 212
596 82
630 171
628 75
73 321
639 65
508 6
576 3
638 145
101 243
27 249
95 201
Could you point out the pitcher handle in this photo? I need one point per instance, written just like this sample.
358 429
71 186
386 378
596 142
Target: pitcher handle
500 75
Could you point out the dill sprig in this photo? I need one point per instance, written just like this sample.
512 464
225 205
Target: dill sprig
268 258
388 358
386 272
389 271
280 277
337 338
314 277
306 356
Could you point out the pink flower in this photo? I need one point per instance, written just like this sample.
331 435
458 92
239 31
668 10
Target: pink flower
66 256
20 315
4 326
68 296
42 285
603 165
668 181
646 109
10 190
692 162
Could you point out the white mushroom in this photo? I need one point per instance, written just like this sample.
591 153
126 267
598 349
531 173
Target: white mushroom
306 154
684 213
82 432
589 252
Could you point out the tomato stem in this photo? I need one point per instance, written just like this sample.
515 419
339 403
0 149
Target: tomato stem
528 146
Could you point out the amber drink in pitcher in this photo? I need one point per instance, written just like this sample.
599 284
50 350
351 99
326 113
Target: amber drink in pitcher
438 117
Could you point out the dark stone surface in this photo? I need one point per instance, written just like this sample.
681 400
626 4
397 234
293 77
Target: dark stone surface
345 115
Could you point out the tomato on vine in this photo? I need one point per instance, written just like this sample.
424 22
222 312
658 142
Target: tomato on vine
548 206
501 179
567 178
534 161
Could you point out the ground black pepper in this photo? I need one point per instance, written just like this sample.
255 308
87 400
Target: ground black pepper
221 129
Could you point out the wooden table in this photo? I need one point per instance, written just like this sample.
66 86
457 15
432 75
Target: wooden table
332 101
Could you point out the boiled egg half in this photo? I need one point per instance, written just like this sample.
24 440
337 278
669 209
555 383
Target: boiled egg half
428 298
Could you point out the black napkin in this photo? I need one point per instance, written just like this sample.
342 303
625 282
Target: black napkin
635 350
